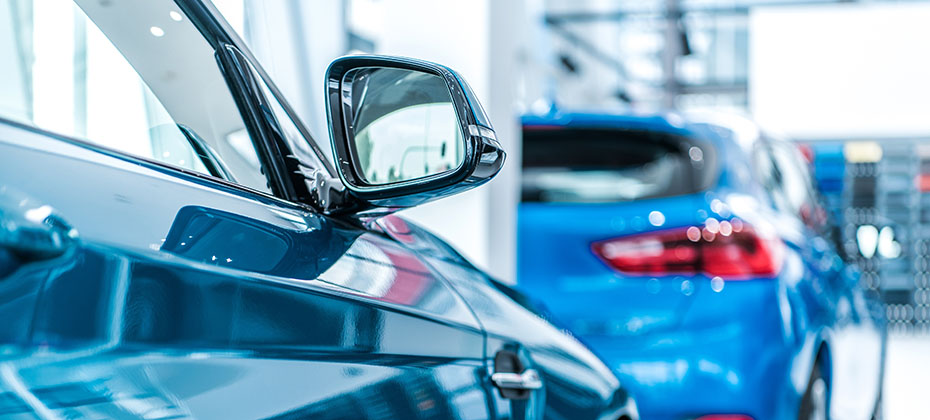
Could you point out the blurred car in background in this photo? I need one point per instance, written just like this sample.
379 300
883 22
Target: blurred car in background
695 257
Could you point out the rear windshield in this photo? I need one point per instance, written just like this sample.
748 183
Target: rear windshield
581 165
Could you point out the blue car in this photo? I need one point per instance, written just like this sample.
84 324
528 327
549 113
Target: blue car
173 244
694 256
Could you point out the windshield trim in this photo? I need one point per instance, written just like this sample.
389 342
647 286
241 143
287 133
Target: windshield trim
218 31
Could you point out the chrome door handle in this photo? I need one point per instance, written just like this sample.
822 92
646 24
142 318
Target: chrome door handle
528 380
29 231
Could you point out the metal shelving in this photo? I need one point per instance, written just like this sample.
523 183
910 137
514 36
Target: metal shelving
891 193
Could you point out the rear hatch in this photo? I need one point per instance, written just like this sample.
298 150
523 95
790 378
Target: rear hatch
583 188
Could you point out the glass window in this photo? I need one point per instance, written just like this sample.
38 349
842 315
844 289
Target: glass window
794 183
132 76
273 31
784 175
293 132
798 186
769 176
596 165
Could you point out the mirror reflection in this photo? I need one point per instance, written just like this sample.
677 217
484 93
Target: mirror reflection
404 125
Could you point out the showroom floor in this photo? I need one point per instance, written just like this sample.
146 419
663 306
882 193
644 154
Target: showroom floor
907 378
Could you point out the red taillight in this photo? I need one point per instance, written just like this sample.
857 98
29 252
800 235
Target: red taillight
729 249
923 182
806 151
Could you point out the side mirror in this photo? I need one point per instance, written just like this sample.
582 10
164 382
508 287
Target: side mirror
406 132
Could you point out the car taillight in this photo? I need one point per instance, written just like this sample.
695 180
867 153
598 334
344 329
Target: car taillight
728 249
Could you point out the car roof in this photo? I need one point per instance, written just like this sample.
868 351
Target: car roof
669 123
722 130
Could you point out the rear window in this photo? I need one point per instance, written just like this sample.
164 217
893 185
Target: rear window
582 165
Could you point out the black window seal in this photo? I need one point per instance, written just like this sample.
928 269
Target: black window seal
206 155
262 126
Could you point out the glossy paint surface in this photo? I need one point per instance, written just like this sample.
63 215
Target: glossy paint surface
687 346
133 290
577 383
181 301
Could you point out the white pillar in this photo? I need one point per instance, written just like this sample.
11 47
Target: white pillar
504 50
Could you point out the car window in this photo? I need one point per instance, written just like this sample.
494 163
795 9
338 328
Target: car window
781 170
600 165
795 183
769 175
136 77
249 22
293 132
800 189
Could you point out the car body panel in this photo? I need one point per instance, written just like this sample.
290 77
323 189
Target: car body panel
265 283
577 384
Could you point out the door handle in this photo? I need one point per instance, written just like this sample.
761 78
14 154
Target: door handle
511 378
29 232
526 381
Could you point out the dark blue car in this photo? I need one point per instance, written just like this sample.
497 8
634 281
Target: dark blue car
174 245
695 257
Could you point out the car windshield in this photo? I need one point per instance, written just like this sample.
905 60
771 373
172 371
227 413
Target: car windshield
600 165
136 77
275 33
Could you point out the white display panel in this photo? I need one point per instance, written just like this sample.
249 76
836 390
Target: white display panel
841 70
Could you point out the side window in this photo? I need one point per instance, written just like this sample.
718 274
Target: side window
792 183
133 77
769 176
797 185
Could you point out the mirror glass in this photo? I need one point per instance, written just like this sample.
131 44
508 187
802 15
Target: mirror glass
403 124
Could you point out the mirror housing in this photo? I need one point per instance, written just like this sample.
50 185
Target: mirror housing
480 156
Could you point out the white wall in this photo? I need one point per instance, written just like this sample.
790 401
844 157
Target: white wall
843 70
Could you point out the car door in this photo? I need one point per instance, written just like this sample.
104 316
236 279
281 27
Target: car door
856 339
180 284
573 383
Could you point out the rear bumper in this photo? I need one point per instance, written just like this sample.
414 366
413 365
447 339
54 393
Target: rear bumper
714 363
628 411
